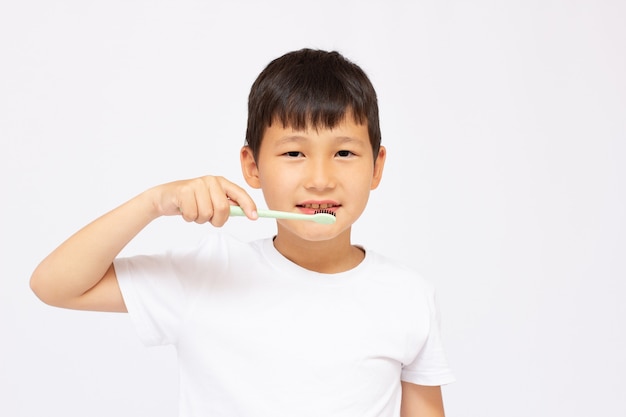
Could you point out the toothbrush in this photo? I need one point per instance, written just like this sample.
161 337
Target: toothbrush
320 217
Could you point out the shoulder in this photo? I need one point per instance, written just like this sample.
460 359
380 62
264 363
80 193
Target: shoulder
214 251
396 270
218 245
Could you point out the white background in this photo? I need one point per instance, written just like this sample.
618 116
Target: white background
505 124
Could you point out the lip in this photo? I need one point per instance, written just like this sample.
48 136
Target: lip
312 206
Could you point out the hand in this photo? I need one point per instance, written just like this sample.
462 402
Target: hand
201 200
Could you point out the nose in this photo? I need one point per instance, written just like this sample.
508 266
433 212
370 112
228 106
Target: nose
320 174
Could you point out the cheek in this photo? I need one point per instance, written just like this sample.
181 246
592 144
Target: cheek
361 178
361 186
274 184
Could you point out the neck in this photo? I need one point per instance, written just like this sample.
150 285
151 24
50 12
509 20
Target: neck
326 256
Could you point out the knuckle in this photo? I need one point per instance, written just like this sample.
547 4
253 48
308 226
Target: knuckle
205 215
197 183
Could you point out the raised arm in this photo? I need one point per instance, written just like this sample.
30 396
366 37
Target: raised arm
79 274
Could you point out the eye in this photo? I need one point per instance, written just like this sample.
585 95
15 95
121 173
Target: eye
293 154
344 153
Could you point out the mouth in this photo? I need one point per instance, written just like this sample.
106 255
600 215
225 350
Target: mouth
318 207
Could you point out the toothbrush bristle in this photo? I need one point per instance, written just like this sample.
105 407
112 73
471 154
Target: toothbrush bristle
325 212
324 216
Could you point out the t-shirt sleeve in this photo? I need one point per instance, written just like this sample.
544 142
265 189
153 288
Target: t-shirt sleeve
430 366
158 290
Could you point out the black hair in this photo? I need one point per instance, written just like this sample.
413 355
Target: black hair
311 89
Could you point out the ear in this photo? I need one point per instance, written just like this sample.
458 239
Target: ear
379 164
249 167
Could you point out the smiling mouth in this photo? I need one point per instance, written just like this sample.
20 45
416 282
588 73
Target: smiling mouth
316 206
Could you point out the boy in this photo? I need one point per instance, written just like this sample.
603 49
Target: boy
301 324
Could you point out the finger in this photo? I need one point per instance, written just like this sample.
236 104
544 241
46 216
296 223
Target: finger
240 197
219 200
187 203
203 201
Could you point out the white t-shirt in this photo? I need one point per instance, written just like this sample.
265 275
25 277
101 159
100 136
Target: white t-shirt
259 336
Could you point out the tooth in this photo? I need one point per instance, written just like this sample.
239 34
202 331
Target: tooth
315 206
323 206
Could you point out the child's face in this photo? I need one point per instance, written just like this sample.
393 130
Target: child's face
305 170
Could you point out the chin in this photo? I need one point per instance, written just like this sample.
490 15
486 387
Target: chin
313 232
